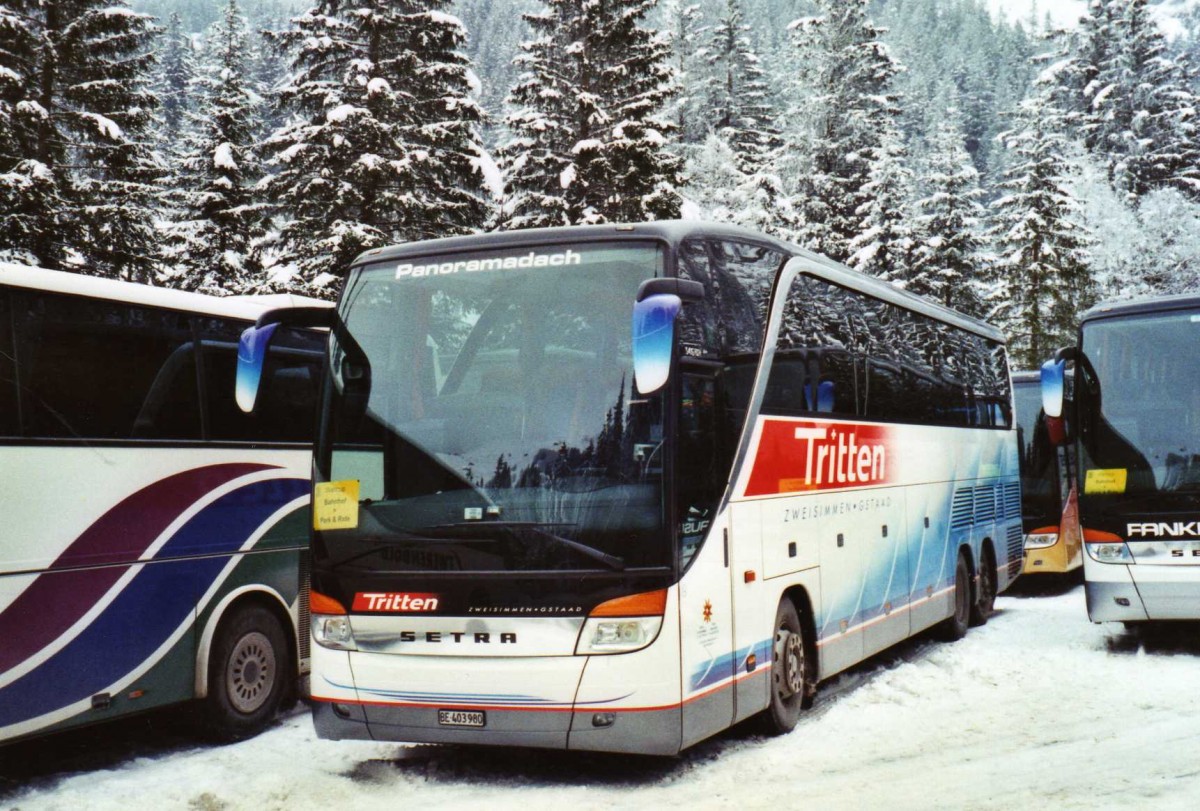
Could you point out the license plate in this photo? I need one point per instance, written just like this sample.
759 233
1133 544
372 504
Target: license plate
461 718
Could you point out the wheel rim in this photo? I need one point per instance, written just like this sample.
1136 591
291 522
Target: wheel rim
789 663
251 672
989 587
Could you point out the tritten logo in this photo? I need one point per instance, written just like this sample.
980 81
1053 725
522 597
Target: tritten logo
398 602
795 456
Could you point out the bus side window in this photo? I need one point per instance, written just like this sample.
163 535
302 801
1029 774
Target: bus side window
87 368
10 418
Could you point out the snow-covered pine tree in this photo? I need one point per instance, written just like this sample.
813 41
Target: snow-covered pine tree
844 106
1152 112
885 245
76 174
383 145
176 69
737 94
1129 97
949 222
589 135
1040 277
684 25
219 220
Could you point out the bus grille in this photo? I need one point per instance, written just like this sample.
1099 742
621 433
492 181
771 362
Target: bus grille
985 504
961 509
1016 543
1012 499
303 629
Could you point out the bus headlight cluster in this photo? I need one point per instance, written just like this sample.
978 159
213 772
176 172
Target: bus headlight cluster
624 624
1040 540
333 632
618 635
1110 552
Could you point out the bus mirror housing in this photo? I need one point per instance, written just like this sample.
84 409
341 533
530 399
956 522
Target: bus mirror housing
252 353
1054 387
252 347
654 339
1054 396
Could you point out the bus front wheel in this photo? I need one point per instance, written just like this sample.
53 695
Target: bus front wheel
247 675
792 682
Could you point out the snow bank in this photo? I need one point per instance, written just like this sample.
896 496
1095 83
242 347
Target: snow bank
1037 709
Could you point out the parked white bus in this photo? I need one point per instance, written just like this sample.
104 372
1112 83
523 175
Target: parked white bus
536 526
153 533
1132 418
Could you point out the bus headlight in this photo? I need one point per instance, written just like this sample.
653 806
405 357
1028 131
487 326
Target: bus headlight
330 623
624 624
1105 547
618 635
333 632
1109 552
1040 540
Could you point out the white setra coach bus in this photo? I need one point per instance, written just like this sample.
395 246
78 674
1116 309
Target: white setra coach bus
536 525
154 535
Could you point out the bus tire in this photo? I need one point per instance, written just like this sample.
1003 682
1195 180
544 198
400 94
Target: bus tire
248 674
985 600
792 683
954 627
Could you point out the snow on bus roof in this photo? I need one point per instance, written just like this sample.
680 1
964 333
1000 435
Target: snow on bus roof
78 284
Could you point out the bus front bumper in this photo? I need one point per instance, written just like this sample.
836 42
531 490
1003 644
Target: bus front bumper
598 703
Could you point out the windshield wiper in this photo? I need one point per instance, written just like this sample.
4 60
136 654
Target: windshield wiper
617 564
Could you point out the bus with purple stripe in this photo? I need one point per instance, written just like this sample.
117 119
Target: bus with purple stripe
620 487
155 542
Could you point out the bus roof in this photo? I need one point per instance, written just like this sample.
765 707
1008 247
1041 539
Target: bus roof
674 232
1141 306
78 284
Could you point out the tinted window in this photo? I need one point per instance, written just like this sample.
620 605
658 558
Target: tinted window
851 355
286 408
104 370
9 418
737 279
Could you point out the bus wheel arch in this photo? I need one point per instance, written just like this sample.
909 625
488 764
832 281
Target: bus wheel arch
793 663
249 664
986 584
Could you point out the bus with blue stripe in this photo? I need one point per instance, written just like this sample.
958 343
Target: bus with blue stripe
620 487
154 535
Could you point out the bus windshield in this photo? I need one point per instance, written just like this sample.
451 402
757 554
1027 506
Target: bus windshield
484 403
1145 439
1040 483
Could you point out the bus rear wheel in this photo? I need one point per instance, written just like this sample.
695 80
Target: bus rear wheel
248 674
954 627
792 682
982 608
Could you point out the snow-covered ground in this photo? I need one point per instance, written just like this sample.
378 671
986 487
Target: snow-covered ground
1037 709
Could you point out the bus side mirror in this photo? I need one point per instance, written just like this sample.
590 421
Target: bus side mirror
653 340
1054 393
252 352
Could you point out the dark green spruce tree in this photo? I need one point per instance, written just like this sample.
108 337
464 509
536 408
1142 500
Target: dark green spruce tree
590 133
220 218
383 142
77 174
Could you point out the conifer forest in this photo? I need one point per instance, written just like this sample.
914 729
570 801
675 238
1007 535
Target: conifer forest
1005 167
